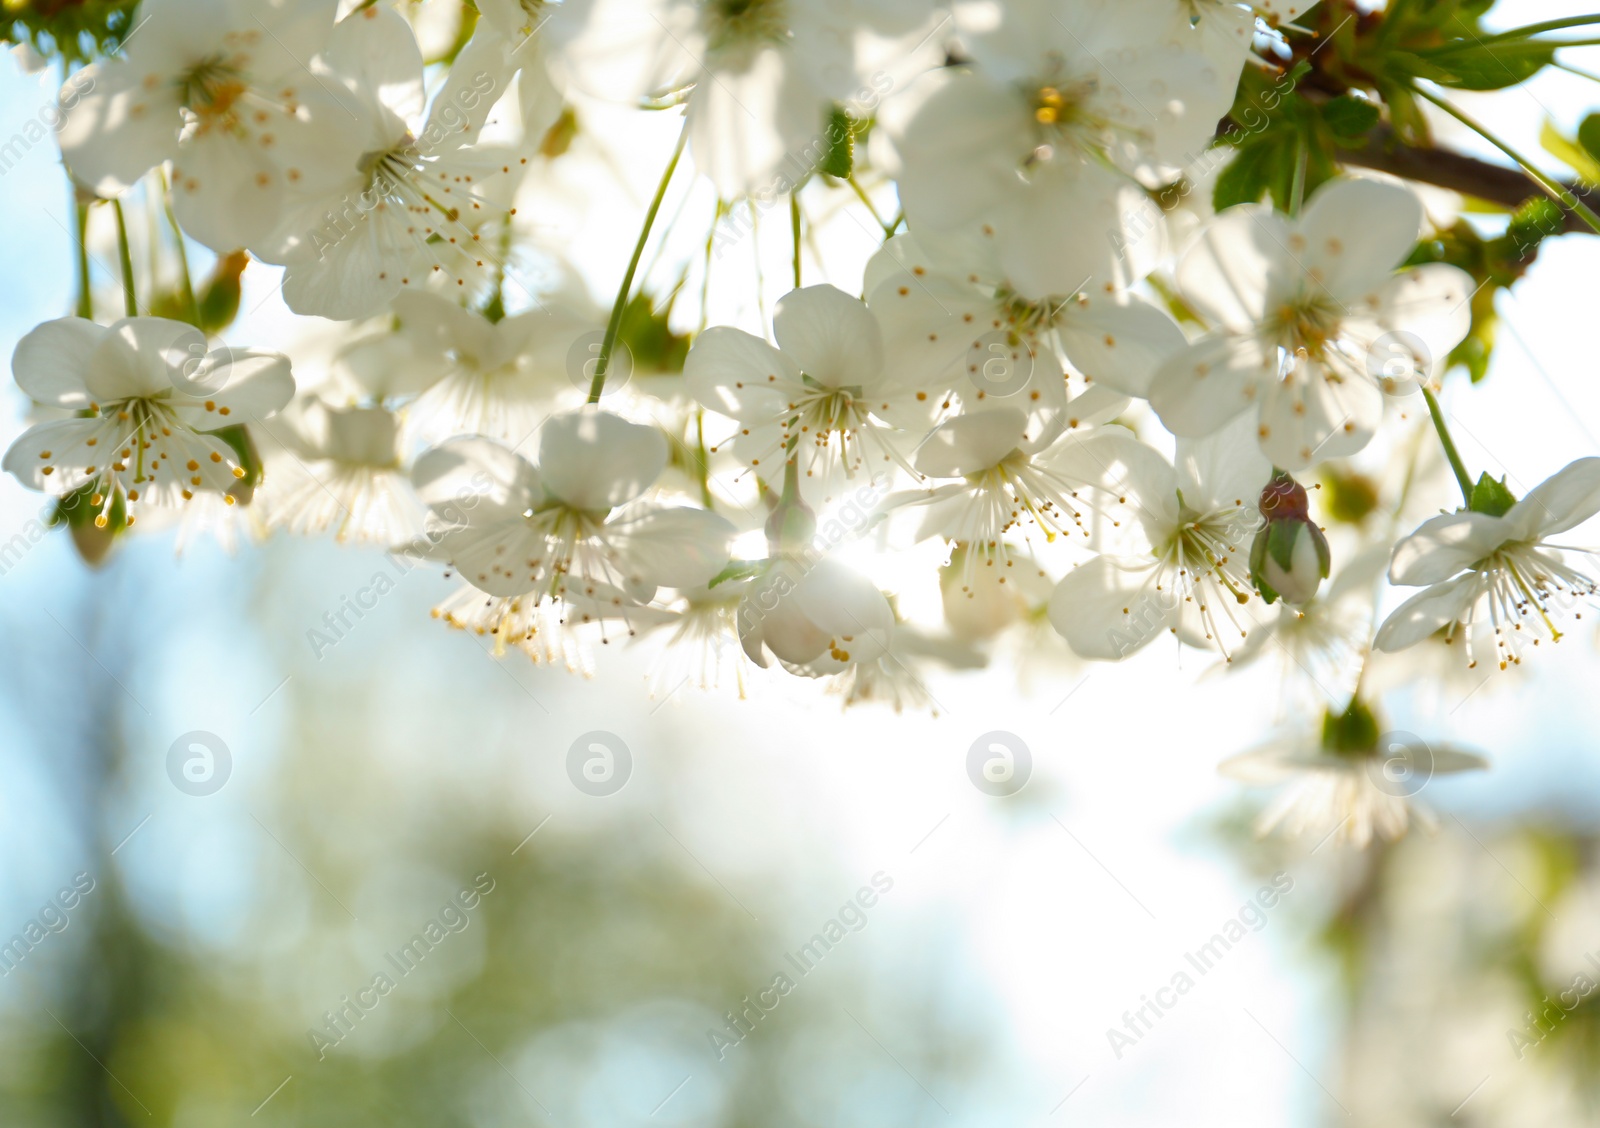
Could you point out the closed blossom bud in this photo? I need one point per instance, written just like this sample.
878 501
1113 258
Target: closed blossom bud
218 300
1289 559
791 525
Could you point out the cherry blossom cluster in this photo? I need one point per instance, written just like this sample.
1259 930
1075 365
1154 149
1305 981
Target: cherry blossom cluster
1065 396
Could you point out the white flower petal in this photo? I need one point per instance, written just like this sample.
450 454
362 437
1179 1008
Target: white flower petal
1119 342
849 607
595 461
678 547
961 151
1429 611
1353 233
116 128
1311 417
51 363
1562 501
1223 470
1039 228
228 191
353 275
969 444
248 383
732 135
54 456
478 78
1199 389
739 375
140 356
1432 302
1109 608
1445 545
444 326
831 336
1238 259
376 48
478 479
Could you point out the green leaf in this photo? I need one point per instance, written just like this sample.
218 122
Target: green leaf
654 346
1491 497
1350 116
1575 155
65 30
1539 217
1247 177
1589 138
1489 66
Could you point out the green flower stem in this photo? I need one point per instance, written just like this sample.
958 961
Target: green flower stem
1462 477
702 461
705 281
85 294
130 300
614 326
794 227
1555 188
185 280
861 194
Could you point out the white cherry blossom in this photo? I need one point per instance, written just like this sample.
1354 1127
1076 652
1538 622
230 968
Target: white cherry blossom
1198 520
761 75
220 87
1064 107
573 526
1009 483
137 431
816 618
1303 312
340 468
1351 788
399 196
490 378
1500 566
822 393
944 322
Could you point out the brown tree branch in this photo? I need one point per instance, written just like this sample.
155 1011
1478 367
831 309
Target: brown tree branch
1498 184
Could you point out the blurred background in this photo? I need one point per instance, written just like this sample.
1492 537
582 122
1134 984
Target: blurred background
241 949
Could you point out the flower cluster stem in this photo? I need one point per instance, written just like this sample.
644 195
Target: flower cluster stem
609 342
130 299
85 293
1462 477
1540 28
794 228
1555 188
